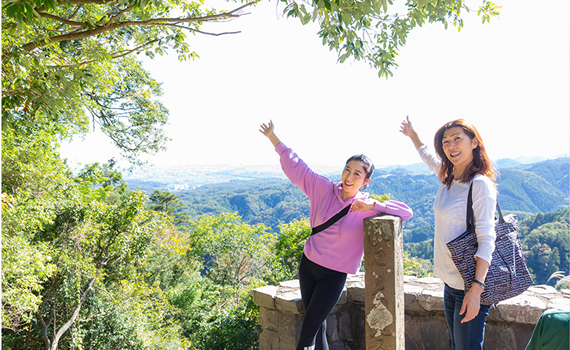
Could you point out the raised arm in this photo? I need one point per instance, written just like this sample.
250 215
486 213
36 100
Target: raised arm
408 130
431 160
269 132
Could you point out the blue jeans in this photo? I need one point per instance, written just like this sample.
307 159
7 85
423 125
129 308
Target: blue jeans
464 336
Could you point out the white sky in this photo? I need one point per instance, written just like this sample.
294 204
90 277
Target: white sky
510 78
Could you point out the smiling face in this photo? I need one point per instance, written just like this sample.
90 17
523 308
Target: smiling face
458 148
353 178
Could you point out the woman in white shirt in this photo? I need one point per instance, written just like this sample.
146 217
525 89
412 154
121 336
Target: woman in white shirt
461 160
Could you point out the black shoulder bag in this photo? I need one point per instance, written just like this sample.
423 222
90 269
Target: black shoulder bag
330 221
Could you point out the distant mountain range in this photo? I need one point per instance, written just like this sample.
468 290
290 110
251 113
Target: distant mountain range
184 177
264 195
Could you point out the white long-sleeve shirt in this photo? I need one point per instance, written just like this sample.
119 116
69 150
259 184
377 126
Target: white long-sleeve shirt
450 209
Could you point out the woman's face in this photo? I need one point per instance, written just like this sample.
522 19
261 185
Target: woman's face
458 147
353 178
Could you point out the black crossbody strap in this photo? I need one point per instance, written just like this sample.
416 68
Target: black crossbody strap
330 221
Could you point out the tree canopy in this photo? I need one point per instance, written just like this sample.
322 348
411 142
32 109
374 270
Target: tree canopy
74 62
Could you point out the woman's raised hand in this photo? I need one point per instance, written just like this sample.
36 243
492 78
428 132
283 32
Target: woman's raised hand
268 130
408 130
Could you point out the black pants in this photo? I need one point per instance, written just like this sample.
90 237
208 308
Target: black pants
321 289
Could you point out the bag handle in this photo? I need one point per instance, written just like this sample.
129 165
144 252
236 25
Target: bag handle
330 221
470 220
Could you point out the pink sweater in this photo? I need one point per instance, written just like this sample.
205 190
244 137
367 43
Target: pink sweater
341 246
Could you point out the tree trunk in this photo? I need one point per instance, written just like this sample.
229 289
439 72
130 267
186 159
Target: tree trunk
73 317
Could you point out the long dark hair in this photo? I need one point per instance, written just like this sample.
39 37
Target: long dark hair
481 163
366 164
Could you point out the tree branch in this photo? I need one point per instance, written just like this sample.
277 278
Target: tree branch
114 55
111 26
73 317
125 10
196 30
76 2
62 20
45 330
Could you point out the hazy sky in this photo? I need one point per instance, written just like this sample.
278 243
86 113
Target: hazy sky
510 78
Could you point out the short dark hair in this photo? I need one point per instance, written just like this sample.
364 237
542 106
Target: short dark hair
366 164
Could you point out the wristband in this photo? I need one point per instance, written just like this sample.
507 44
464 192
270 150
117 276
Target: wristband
479 283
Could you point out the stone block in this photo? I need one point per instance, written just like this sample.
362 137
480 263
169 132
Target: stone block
289 328
332 327
501 335
355 291
292 284
431 300
264 296
290 302
345 326
542 290
427 332
269 340
358 326
269 319
338 345
560 303
343 297
521 309
411 293
430 281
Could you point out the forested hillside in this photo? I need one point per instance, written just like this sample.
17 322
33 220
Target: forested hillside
534 188
546 240
540 188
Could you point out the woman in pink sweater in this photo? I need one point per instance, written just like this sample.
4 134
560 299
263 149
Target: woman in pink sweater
331 254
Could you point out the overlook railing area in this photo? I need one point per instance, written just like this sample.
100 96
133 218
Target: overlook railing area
395 312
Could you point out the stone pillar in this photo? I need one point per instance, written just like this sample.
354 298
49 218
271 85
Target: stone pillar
384 278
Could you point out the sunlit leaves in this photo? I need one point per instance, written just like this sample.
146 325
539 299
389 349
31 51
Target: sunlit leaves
374 31
60 60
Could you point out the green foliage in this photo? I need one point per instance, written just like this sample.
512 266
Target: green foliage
73 250
208 272
546 242
380 199
422 250
374 31
233 252
25 267
65 63
417 267
288 250
268 201
169 203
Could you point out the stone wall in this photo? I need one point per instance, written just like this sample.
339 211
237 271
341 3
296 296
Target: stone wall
509 325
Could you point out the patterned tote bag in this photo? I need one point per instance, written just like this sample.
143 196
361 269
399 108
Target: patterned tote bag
508 274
